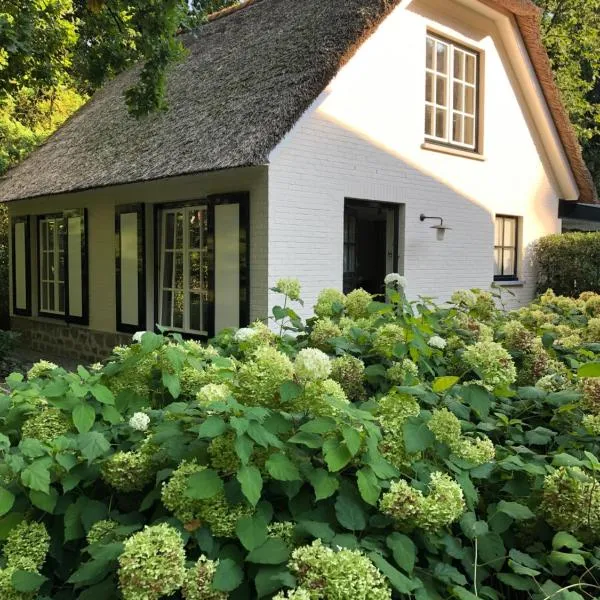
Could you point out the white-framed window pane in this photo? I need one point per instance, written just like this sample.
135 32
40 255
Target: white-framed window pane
450 85
508 261
497 262
52 233
509 232
440 122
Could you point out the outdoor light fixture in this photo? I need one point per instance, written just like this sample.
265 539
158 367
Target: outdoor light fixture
440 229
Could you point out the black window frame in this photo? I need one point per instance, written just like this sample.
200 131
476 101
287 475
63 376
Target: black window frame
85 303
26 312
514 276
211 201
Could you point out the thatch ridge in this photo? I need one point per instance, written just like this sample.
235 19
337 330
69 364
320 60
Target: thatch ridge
249 75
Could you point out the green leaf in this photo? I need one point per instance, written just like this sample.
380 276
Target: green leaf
102 394
517 582
540 436
591 369
244 447
324 483
203 485
7 500
353 440
268 580
27 581
565 540
311 440
211 428
46 502
289 391
565 558
228 576
443 384
273 552
404 550
417 436
471 527
336 455
251 482
280 467
478 399
491 550
319 425
464 594
31 448
368 485
350 513
111 415
252 531
172 383
91 571
37 475
92 445
399 581
84 416
519 512
322 531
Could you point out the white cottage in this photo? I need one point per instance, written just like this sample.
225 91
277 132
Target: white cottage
310 139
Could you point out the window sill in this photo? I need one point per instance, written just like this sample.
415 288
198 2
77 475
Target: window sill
511 283
452 151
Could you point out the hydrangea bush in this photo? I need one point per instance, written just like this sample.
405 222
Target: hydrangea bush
382 449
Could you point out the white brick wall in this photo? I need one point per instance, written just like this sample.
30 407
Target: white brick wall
362 139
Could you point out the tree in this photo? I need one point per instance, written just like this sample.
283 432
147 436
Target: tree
571 32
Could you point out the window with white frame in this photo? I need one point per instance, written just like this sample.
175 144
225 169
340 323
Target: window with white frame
451 94
506 248
52 234
184 292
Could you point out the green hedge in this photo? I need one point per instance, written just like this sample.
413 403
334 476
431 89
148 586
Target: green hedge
568 263
4 307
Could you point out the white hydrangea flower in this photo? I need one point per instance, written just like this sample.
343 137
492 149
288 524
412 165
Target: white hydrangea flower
245 334
312 365
137 336
395 279
97 367
139 421
437 342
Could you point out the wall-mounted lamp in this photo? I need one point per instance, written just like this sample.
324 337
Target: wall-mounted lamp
440 229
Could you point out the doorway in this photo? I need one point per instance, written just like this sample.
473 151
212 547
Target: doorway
371 245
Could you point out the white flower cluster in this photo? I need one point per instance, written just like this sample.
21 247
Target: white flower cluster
245 334
312 365
395 279
139 421
437 342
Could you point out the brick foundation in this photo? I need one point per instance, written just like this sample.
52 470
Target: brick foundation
72 341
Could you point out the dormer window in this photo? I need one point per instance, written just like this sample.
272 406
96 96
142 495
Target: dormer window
451 94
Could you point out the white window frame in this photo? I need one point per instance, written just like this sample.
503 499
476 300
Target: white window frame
44 303
449 97
185 251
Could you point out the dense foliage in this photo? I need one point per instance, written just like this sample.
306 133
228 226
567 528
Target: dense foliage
380 450
568 263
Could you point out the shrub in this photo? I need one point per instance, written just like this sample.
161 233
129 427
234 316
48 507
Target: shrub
568 263
432 452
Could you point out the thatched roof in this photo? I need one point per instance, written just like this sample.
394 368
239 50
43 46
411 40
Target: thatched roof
248 77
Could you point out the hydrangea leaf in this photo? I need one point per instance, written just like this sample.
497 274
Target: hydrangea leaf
565 540
517 511
319 425
280 467
350 513
7 500
27 581
492 550
37 475
443 384
417 436
404 550
325 484
252 531
368 485
289 391
273 552
102 394
400 582
270 579
84 416
591 369
203 485
336 455
211 428
317 530
353 439
92 445
251 482
45 502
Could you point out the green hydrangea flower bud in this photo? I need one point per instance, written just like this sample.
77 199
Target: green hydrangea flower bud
260 378
357 304
387 338
323 331
290 288
130 471
394 409
400 371
591 423
29 541
349 372
198 581
325 574
212 393
312 365
492 363
152 564
326 302
47 425
321 399
43 368
286 530
102 531
296 594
